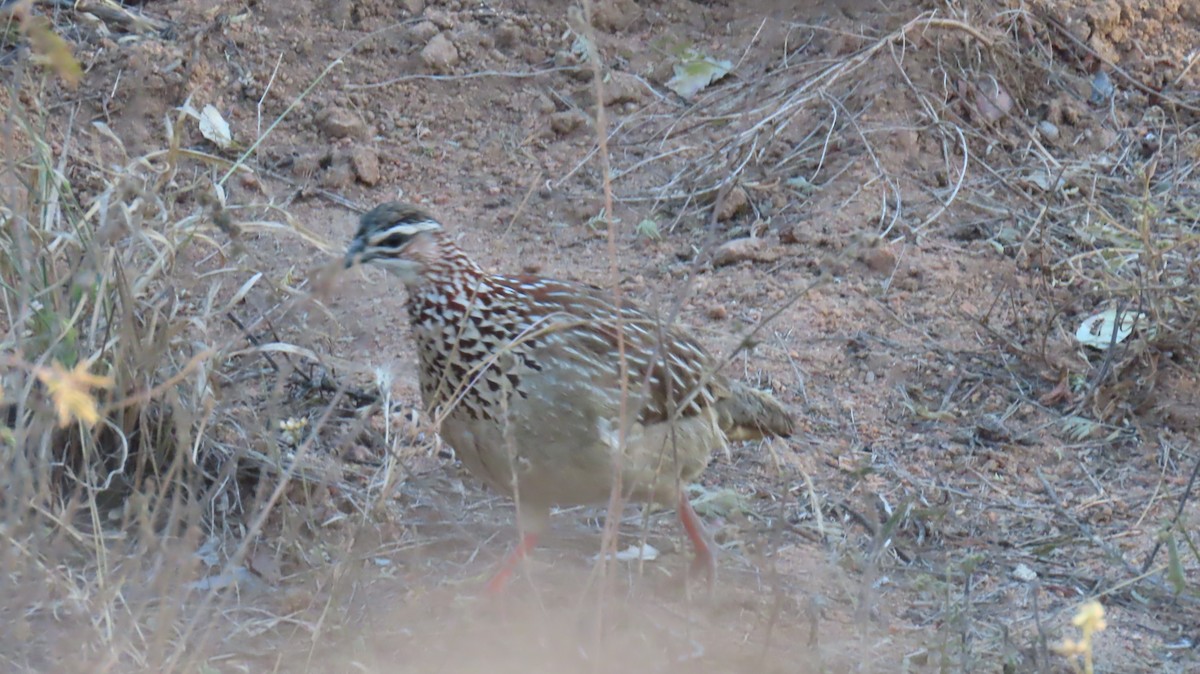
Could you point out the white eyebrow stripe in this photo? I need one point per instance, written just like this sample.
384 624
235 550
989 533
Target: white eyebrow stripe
405 229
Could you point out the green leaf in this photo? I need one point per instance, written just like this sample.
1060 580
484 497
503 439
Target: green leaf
696 72
649 229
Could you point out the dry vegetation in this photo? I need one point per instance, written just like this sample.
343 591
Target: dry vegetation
248 498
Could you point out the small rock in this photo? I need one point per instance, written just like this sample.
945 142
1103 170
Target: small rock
991 428
717 312
440 54
440 18
620 87
366 165
878 259
1048 130
735 202
623 87
423 32
1102 88
1024 574
738 250
413 7
565 122
337 122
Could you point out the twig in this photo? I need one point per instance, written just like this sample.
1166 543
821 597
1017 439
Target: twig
465 76
1112 553
1187 492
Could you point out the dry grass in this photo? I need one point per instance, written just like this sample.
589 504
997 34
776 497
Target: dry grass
101 521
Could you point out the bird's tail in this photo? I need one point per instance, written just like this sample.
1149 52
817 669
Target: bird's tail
750 414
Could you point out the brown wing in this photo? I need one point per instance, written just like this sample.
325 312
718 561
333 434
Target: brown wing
666 362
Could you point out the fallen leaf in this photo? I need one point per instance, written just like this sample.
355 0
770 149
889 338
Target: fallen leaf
1097 330
214 127
696 72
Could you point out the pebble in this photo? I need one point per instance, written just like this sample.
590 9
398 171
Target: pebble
423 32
879 259
1048 130
337 122
738 250
567 121
735 202
366 165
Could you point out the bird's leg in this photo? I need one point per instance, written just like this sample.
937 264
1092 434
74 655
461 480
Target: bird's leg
509 566
704 562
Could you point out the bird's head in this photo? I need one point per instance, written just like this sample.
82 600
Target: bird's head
396 236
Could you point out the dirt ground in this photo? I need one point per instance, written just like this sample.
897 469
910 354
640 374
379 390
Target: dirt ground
936 509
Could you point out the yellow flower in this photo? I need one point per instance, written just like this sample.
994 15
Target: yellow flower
71 392
1070 648
1090 617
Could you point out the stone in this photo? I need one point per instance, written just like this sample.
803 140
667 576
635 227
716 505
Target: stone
337 122
567 121
366 165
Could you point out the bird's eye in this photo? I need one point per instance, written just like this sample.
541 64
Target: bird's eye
394 241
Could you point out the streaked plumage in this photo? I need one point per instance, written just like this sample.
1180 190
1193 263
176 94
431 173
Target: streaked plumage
525 372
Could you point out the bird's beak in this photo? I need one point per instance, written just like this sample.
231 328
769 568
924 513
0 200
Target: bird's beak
354 253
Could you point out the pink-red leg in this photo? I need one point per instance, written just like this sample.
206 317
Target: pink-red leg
705 562
509 566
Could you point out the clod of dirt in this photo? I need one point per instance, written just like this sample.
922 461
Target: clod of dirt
565 59
735 202
440 54
337 122
507 35
738 250
717 312
792 234
878 259
616 15
543 105
440 18
563 123
366 165
620 87
423 32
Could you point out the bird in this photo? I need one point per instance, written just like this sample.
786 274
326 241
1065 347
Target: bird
540 384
